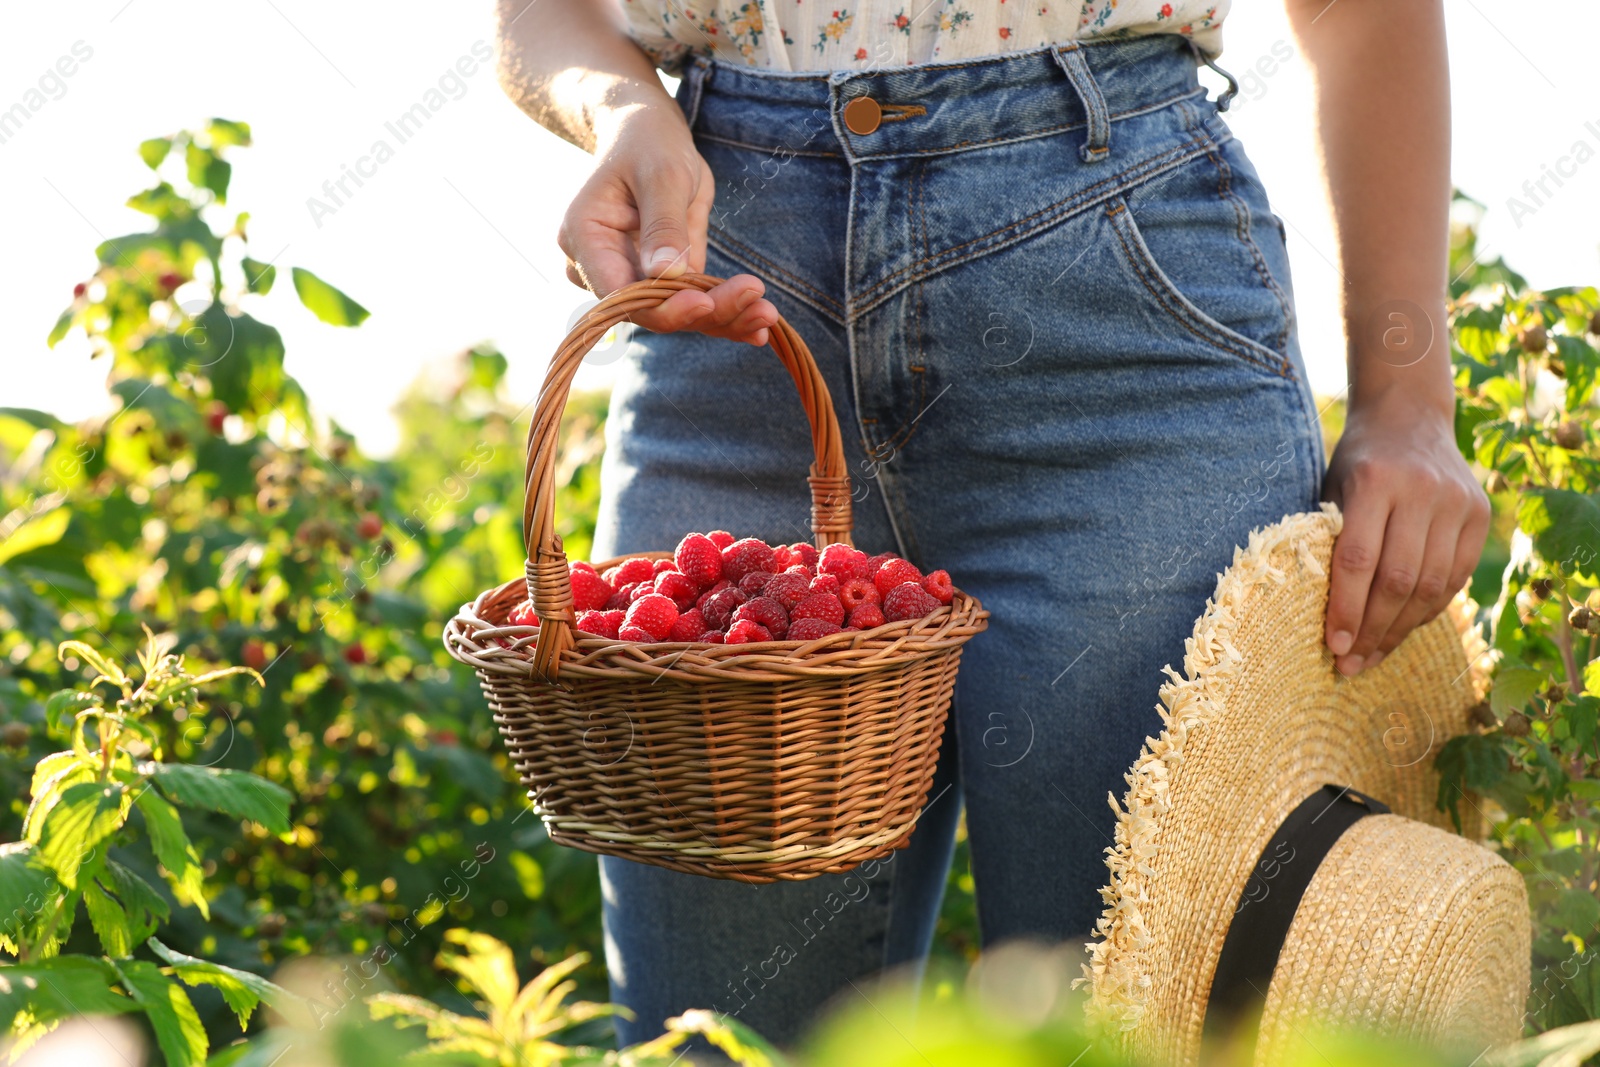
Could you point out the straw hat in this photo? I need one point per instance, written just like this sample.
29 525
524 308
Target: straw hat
1339 907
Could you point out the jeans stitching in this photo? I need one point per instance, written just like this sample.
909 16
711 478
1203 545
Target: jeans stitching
746 145
1180 314
1134 112
1242 214
1081 200
1030 135
798 287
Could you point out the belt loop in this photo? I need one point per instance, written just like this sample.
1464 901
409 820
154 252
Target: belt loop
1069 57
1233 83
694 81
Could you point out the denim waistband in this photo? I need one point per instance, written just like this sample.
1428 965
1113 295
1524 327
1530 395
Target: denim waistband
944 107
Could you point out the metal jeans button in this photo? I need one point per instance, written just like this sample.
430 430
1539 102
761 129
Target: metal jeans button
862 115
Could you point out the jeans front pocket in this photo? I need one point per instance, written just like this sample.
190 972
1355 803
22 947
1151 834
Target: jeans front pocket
1205 327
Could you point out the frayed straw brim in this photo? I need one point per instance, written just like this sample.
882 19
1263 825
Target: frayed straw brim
1258 721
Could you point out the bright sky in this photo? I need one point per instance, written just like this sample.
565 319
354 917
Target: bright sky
452 241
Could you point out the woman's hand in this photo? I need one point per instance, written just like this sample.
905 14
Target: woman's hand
1414 524
643 214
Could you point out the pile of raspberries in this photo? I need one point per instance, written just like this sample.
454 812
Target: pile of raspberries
719 591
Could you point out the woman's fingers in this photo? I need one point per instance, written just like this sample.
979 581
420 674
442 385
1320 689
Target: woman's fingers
1433 589
1355 560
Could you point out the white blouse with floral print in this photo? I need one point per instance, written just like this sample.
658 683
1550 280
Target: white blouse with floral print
818 35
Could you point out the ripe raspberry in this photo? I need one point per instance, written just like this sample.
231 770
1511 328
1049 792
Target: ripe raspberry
721 538
699 558
690 625
745 632
589 591
811 629
79 289
254 654
355 655
866 616
858 591
661 566
601 623
908 601
522 615
874 562
217 416
843 562
766 611
679 588
782 558
896 572
752 583
825 583
819 606
803 570
787 588
742 557
620 600
711 637
720 608
720 585
637 569
653 613
804 552
634 633
937 583
369 526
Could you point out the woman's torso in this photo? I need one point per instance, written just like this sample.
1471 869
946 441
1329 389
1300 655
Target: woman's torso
810 35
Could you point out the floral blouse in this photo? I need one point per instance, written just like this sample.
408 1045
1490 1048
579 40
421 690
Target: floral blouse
798 35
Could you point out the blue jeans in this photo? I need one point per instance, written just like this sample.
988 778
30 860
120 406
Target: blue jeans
1053 308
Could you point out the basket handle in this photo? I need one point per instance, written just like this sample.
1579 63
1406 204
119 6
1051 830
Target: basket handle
548 585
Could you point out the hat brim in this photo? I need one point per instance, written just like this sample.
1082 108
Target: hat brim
1258 721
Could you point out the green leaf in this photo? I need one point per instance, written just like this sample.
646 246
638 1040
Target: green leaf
1565 527
1584 714
225 133
154 151
110 922
258 276
173 849
207 170
237 793
144 906
241 989
178 1030
326 303
47 529
59 711
1591 676
1468 762
59 330
58 989
86 815
106 669
1514 687
1579 910
162 202
24 890
737 1041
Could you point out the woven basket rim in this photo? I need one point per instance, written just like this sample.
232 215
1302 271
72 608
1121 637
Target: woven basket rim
472 637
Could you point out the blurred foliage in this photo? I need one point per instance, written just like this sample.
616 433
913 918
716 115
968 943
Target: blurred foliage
215 501
1526 371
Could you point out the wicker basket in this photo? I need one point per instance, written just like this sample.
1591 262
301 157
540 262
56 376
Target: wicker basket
756 762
